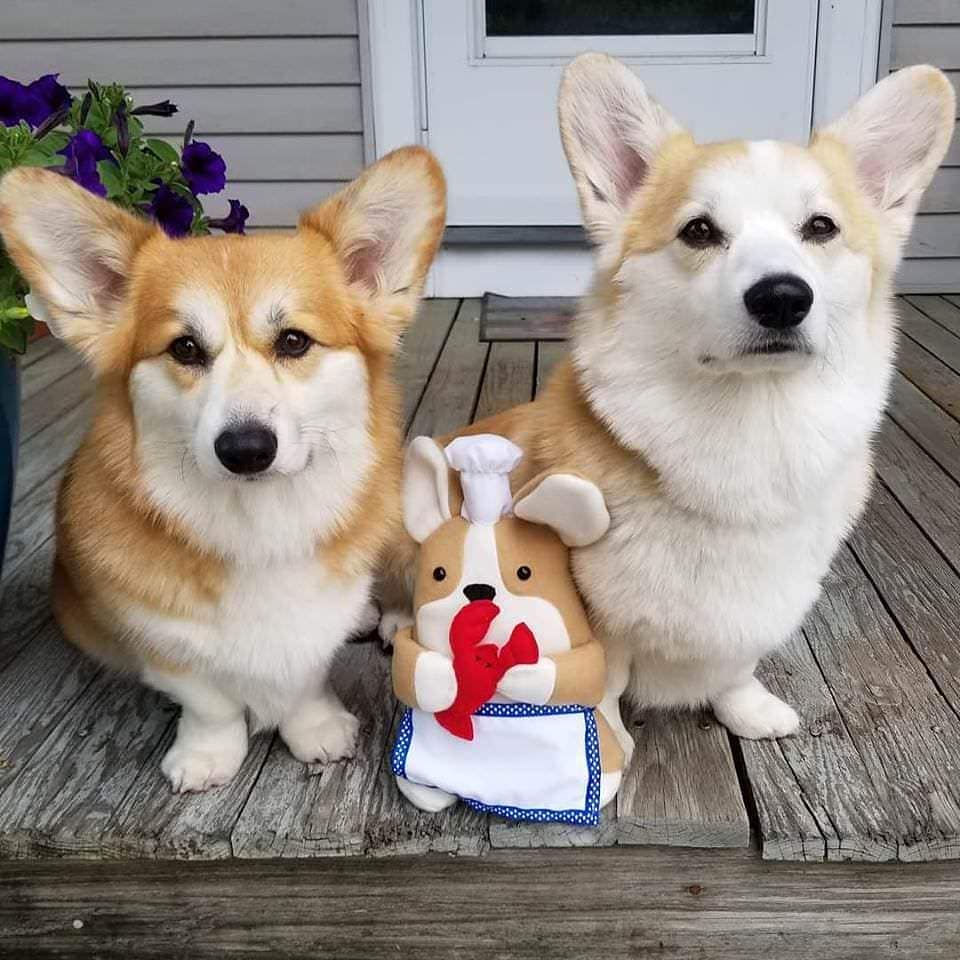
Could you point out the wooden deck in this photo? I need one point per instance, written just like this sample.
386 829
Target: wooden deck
873 776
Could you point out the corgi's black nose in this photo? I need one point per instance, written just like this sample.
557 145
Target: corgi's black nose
249 448
779 301
479 591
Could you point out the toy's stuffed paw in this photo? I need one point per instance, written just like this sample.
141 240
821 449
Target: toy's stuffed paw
434 682
530 683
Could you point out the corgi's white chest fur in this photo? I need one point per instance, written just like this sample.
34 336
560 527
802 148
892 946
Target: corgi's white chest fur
271 631
757 494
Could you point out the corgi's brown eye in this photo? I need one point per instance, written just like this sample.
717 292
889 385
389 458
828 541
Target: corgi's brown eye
186 351
701 232
439 574
819 229
292 343
524 573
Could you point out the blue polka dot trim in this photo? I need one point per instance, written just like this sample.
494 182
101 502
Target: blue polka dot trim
587 816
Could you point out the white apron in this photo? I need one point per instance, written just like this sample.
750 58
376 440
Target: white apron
525 762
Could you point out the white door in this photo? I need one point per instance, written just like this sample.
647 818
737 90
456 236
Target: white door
725 68
476 80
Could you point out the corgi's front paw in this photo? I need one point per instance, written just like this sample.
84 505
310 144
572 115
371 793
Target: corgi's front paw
322 736
391 623
197 763
752 712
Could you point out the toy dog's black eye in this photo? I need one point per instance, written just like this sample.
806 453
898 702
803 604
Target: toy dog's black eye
524 573
439 574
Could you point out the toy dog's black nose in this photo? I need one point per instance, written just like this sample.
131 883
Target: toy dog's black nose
479 591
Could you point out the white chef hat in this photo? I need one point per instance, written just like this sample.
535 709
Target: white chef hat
484 462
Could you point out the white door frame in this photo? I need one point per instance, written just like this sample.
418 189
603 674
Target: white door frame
394 35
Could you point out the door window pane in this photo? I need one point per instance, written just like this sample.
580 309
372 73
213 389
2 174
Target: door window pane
593 18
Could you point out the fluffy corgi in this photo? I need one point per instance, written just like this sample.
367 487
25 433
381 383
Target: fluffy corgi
728 371
218 527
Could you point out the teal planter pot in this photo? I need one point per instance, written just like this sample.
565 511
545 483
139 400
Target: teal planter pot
9 439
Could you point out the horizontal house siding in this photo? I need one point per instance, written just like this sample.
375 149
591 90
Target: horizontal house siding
928 31
273 85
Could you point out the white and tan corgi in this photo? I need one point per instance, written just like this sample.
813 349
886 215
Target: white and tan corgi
218 527
727 374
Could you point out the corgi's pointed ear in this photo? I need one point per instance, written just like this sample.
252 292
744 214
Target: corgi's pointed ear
570 504
611 130
75 251
386 226
897 134
426 489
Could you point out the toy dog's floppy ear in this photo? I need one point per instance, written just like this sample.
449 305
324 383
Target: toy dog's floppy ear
571 505
426 489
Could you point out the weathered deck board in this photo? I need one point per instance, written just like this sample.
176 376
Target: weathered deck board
549 353
930 334
619 904
919 589
928 374
901 726
420 350
941 309
813 793
47 406
933 428
56 365
44 453
59 801
681 787
509 377
926 491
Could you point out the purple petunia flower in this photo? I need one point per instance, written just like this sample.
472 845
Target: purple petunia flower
203 168
173 212
51 97
17 103
234 221
83 152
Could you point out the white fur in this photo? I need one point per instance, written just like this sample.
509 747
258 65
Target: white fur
763 460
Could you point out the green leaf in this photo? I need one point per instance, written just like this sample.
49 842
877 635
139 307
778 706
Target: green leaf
163 151
14 335
112 178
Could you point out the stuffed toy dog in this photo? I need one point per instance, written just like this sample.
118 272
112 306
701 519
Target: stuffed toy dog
500 672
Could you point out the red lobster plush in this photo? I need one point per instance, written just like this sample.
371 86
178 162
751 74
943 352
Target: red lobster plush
478 666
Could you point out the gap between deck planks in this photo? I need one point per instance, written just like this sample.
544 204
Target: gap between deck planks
872 776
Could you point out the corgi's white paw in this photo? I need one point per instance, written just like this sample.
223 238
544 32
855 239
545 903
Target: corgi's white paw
368 621
392 621
200 762
322 736
752 712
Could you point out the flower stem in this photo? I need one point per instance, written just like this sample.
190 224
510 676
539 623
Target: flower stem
15 313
